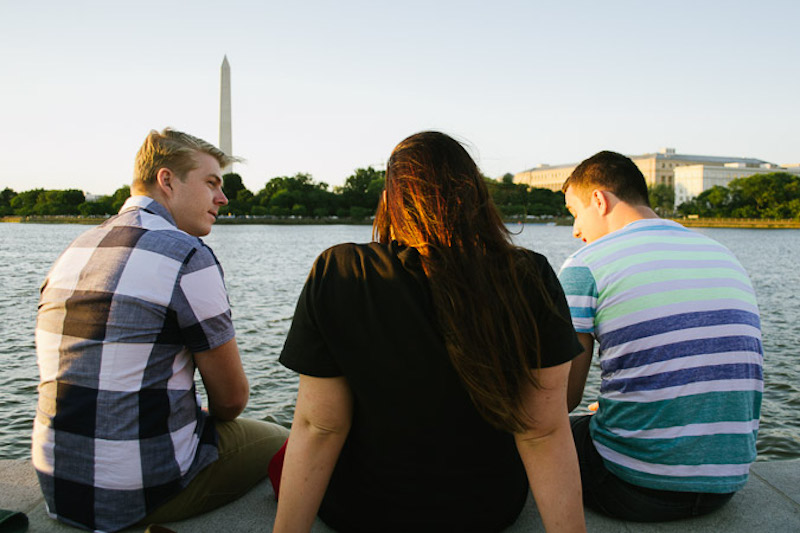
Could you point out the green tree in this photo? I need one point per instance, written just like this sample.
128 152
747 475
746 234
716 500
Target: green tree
770 195
766 195
516 199
713 202
360 180
510 198
240 199
544 202
232 184
662 198
24 203
363 189
100 207
59 202
6 195
119 197
360 213
282 193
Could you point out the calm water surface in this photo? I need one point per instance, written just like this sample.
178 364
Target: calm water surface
265 267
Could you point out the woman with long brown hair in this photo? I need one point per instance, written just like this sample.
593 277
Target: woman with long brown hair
433 367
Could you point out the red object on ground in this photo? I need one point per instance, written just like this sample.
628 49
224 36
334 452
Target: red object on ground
275 468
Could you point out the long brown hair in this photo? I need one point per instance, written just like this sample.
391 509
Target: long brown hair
436 201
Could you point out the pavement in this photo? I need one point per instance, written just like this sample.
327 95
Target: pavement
769 502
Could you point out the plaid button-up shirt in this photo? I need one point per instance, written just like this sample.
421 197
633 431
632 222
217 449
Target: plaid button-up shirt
119 429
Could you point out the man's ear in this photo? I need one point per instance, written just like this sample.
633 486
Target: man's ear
601 201
164 180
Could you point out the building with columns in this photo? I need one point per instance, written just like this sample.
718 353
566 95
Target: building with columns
658 168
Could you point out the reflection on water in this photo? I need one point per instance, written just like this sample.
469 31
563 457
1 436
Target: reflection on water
265 267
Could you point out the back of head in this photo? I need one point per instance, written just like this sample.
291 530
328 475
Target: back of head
437 202
611 172
174 150
436 199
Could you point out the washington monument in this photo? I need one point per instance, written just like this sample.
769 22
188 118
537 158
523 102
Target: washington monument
225 134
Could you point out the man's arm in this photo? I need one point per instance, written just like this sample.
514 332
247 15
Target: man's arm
579 370
224 380
321 424
548 452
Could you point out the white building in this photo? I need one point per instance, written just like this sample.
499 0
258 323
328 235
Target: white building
658 168
691 180
89 197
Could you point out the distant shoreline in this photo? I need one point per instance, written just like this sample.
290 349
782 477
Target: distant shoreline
743 223
279 221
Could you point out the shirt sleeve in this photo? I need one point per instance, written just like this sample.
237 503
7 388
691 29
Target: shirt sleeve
580 288
201 303
305 350
557 340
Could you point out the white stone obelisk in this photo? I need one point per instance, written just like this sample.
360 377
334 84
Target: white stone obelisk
225 133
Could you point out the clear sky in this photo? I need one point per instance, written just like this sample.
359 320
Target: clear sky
326 87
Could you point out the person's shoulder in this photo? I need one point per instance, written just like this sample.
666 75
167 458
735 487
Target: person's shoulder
669 231
618 241
342 252
352 258
531 257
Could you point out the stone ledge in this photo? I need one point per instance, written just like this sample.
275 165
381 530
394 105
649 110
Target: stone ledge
769 502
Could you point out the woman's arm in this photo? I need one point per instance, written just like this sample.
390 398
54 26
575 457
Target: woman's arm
578 372
548 452
321 423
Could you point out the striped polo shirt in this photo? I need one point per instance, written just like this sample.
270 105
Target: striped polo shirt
679 335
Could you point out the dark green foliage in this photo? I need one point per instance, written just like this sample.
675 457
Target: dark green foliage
297 195
100 207
41 202
516 200
6 195
284 196
662 198
232 185
775 195
362 189
772 196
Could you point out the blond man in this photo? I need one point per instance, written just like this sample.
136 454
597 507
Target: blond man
126 314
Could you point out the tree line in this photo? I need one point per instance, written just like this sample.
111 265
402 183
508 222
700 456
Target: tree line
774 195
761 196
764 196
284 196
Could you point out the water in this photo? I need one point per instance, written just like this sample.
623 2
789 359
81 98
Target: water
265 267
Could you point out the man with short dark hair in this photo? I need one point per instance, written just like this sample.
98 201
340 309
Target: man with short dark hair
126 313
678 328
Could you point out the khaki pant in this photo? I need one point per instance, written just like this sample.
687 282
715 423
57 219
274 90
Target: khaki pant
245 449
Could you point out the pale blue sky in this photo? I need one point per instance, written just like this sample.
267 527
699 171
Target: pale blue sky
327 87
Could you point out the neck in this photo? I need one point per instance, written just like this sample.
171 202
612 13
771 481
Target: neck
152 192
622 214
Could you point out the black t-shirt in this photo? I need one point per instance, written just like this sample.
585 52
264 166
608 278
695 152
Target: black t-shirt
419 457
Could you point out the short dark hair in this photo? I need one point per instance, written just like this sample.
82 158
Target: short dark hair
612 172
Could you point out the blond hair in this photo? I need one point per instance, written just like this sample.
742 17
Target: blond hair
174 150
